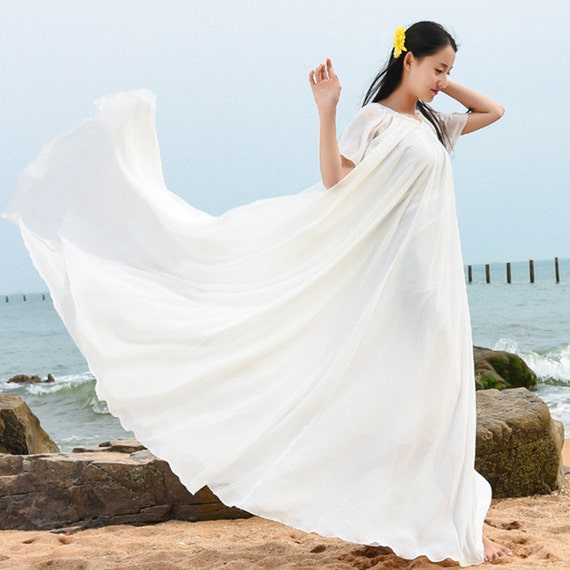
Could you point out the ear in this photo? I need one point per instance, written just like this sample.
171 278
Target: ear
408 60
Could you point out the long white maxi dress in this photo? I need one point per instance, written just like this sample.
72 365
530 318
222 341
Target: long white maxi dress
308 357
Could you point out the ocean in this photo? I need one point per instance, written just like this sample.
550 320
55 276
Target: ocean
531 320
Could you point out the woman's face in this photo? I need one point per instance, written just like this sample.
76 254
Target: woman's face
428 75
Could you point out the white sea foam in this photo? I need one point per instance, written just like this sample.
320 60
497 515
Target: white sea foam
62 383
553 365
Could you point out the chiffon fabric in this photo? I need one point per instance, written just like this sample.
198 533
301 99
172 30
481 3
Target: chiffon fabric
308 357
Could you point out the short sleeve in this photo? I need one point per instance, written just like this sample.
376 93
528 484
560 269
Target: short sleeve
453 124
363 127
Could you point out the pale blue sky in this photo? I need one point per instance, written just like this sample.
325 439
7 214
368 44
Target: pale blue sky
236 120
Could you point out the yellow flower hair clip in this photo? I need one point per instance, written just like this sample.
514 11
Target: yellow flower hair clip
399 41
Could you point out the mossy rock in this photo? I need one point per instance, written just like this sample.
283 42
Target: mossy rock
499 369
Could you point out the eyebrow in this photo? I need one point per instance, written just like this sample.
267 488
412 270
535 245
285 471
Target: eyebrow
445 65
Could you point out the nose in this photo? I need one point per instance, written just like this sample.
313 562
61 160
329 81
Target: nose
443 82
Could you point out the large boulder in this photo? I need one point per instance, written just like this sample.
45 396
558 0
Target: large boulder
120 483
20 430
519 445
499 369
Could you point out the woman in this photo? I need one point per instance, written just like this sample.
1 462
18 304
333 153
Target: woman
401 91
308 357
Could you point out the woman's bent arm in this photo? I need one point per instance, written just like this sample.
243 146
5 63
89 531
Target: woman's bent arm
484 110
326 91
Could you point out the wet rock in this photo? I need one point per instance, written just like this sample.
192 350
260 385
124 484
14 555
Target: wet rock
519 445
20 430
499 369
24 379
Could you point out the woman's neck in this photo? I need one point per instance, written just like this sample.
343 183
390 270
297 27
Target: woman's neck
401 102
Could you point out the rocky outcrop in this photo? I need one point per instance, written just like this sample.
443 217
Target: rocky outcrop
20 430
499 369
519 445
26 379
119 483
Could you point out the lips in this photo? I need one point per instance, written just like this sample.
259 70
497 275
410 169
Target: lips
435 91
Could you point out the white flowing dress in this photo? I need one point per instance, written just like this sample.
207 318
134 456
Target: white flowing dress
308 357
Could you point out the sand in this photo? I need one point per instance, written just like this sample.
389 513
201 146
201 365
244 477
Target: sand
537 529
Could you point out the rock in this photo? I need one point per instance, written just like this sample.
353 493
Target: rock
499 369
24 379
98 488
20 430
519 445
126 445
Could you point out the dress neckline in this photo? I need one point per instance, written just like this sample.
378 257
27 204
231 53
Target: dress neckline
417 119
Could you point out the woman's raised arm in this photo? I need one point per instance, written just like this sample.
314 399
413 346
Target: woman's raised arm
326 88
484 110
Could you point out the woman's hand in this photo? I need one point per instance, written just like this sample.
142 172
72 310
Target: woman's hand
326 90
325 86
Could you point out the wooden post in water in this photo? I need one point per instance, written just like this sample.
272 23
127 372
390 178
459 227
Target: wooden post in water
470 273
487 273
557 270
43 296
531 269
509 272
24 296
7 298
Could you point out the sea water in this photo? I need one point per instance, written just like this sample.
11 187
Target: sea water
529 319
34 341
532 320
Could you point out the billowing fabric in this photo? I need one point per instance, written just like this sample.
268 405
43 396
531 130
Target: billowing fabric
308 357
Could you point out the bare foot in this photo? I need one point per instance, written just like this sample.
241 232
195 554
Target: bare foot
494 551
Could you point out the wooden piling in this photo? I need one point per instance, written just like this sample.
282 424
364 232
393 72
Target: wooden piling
509 271
24 297
43 296
7 299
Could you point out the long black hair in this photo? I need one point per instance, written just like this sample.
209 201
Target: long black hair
422 39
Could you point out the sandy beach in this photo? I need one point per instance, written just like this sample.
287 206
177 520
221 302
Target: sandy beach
537 529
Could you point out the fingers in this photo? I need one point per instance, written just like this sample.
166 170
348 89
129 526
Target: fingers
330 70
317 75
321 72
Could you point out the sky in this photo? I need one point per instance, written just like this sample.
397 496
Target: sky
235 116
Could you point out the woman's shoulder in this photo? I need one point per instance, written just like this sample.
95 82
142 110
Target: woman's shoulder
365 125
372 110
370 113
